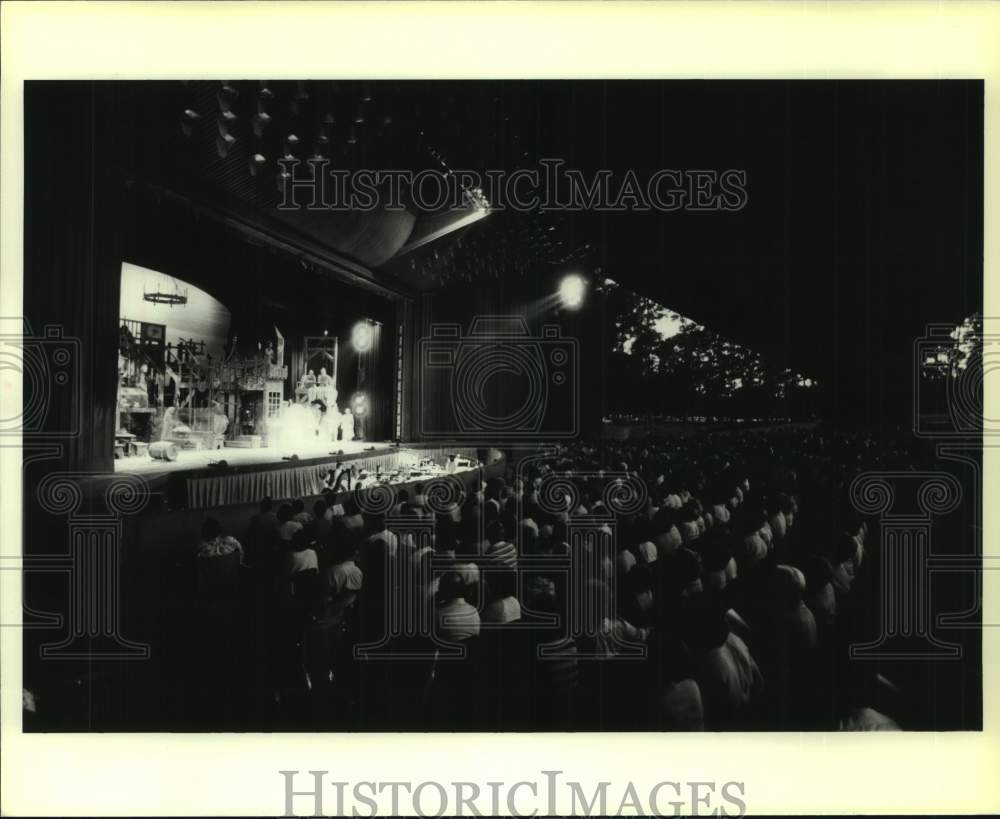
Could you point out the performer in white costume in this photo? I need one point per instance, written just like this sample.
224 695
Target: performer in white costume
315 414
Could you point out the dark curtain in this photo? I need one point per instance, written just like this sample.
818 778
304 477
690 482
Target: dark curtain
72 266
384 399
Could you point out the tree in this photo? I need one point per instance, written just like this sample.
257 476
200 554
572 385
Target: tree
693 372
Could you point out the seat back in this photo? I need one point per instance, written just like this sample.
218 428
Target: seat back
218 577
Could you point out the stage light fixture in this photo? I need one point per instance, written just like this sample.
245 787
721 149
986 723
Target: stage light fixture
361 336
260 121
223 145
257 161
359 404
188 120
227 96
571 291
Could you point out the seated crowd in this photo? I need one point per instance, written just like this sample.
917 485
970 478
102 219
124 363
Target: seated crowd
719 592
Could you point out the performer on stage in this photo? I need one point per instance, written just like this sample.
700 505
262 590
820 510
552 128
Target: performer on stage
309 382
317 394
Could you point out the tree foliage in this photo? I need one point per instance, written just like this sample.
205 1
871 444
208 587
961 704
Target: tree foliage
693 372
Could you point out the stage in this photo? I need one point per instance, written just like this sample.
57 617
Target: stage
198 479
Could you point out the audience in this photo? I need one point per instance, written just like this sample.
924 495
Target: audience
380 538
344 581
728 677
722 599
457 620
301 556
322 523
502 604
218 563
215 543
300 514
263 541
287 525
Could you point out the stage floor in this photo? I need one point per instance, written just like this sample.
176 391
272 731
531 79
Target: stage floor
190 459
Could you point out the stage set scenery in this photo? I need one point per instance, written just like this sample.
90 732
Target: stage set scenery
210 417
197 393
502 406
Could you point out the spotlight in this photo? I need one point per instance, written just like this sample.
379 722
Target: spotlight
227 96
359 404
188 120
571 291
281 178
361 336
223 143
257 161
260 121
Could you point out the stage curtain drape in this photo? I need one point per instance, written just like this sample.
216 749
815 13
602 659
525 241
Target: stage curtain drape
287 483
72 269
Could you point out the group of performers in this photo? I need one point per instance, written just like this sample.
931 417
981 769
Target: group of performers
314 413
